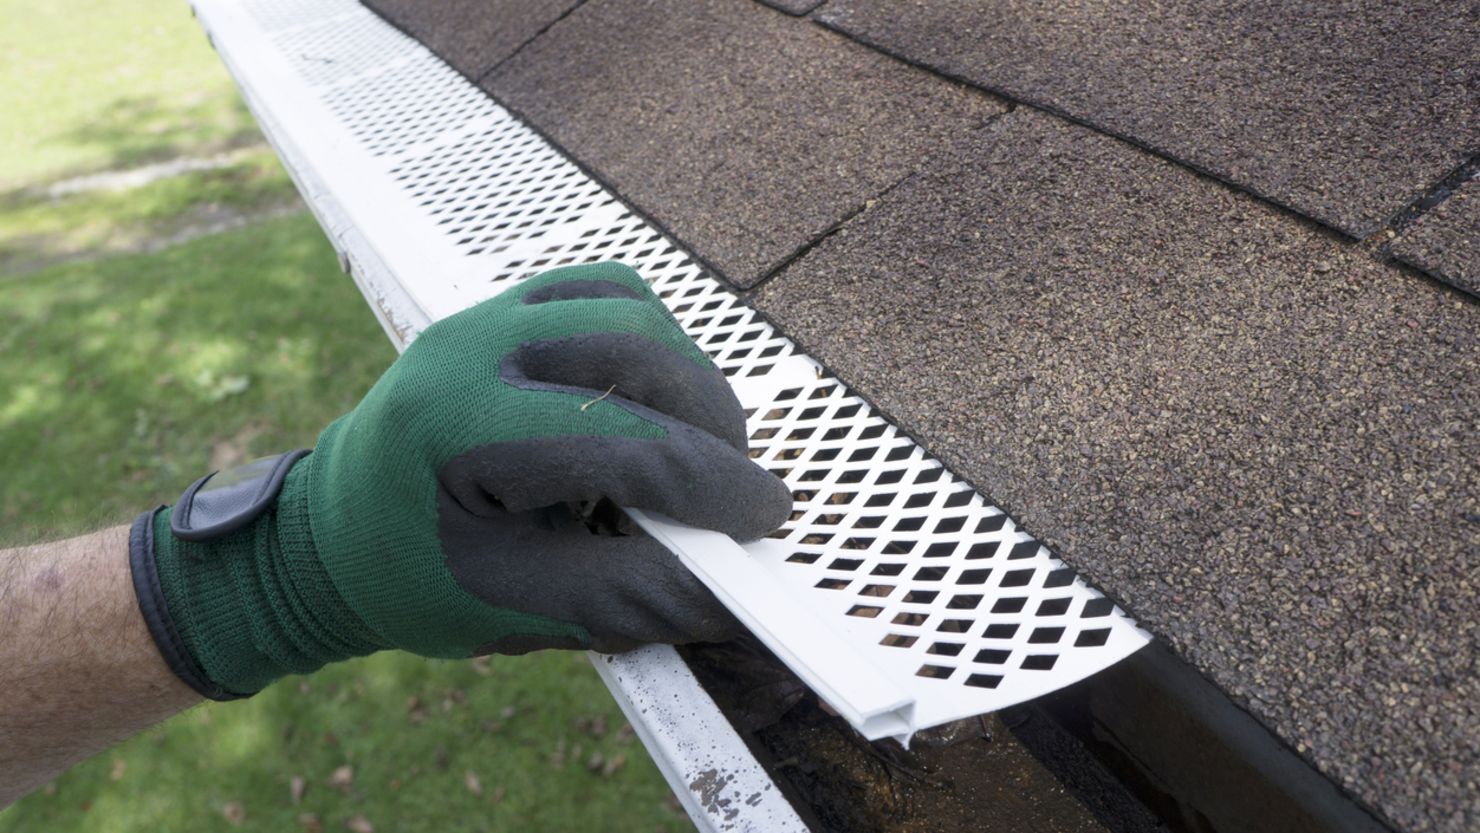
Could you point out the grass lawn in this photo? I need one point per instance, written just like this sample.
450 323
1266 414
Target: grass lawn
125 376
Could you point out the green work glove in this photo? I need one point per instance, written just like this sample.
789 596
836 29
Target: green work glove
443 515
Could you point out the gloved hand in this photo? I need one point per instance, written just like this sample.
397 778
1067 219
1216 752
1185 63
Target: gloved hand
441 514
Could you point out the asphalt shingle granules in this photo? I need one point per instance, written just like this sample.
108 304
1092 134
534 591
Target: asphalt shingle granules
1446 242
1263 441
1344 111
745 132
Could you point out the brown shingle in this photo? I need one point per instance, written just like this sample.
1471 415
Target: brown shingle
472 35
1343 111
745 132
1260 438
1446 242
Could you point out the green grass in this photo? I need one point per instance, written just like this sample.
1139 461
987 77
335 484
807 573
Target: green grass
40 230
132 372
125 377
538 733
105 84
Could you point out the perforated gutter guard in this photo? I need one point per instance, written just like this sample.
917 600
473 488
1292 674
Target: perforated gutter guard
895 591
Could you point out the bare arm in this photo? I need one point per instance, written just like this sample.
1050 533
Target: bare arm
78 669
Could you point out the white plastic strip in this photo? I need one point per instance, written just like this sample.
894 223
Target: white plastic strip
927 586
825 660
711 771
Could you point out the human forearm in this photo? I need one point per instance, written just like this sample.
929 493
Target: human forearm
78 669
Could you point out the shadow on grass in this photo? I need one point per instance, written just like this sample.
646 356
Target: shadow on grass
121 377
138 130
40 230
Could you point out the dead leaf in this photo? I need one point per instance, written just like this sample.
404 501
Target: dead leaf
360 824
481 666
613 764
120 766
470 778
310 823
498 794
343 778
234 811
626 734
296 787
595 762
594 725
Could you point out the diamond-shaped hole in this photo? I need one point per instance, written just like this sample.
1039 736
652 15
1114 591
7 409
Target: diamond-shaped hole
1000 631
992 656
1095 608
982 550
936 672
832 584
921 596
954 625
931 573
991 523
877 590
898 640
912 619
1010 604
1092 638
1054 607
984 680
1023 549
950 526
865 611
964 601
1018 578
974 576
1040 662
940 550
1062 577
948 649
1046 636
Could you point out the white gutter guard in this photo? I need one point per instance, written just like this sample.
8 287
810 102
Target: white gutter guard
896 591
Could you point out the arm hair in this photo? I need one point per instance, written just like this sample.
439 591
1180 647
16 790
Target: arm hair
78 669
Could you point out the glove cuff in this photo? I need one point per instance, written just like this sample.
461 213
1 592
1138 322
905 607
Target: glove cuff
236 611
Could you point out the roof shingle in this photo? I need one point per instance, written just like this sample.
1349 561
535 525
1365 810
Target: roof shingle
472 35
1261 439
1345 112
744 132
1446 242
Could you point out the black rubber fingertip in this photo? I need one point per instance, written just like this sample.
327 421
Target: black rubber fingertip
771 506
